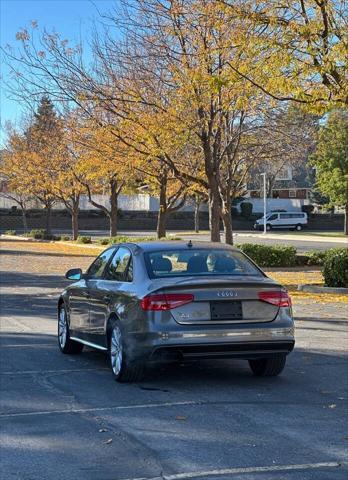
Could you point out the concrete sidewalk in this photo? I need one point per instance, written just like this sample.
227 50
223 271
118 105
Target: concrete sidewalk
305 238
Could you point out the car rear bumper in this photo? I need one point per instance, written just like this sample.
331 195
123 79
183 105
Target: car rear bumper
213 341
246 350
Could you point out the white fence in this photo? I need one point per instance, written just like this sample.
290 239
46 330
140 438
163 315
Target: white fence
142 202
146 203
288 204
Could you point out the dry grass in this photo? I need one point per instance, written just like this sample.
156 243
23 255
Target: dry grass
62 248
291 280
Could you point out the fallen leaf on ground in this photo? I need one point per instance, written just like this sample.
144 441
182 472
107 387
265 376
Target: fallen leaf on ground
108 441
180 417
332 406
101 430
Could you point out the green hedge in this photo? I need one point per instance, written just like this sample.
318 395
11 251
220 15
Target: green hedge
335 268
270 256
316 258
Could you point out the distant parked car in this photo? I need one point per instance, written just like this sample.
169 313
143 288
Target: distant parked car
286 220
160 301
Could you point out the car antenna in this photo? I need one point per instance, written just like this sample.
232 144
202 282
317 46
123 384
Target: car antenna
189 244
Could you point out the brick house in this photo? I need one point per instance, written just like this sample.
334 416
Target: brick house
289 182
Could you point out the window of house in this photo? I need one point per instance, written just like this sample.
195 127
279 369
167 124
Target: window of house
284 173
292 193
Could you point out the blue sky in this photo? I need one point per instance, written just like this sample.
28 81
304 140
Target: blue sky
72 18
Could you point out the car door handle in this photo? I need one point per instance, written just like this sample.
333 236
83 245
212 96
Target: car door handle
107 299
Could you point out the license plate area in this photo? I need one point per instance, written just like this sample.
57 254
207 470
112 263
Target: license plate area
226 310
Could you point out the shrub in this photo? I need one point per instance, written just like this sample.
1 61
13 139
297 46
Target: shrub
84 239
270 256
246 209
38 233
65 238
316 258
126 239
10 232
307 209
104 241
41 234
335 269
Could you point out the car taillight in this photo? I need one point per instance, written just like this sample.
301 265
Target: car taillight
280 298
165 302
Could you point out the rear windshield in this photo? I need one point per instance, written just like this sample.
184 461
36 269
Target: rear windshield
199 262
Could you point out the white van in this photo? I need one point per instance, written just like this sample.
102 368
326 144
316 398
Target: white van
288 220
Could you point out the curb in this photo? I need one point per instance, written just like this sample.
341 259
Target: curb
16 237
318 289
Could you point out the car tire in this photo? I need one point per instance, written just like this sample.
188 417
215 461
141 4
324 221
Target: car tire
65 343
124 368
268 367
268 227
298 228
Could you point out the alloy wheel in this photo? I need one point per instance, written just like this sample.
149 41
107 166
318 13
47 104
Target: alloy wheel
116 352
62 328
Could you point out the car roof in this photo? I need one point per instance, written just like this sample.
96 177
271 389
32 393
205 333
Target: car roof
177 245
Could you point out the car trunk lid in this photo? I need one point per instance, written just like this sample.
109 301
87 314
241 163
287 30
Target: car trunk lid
223 300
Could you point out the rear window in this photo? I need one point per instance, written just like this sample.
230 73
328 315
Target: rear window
198 262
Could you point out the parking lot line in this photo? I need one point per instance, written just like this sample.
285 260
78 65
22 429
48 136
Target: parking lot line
231 471
29 345
99 409
43 372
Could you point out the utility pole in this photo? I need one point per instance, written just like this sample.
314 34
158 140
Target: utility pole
264 203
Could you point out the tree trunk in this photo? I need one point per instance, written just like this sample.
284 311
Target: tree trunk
227 221
197 207
162 212
113 208
75 220
24 219
346 220
226 216
48 208
214 212
161 223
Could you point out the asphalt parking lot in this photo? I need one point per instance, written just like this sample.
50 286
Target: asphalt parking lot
63 417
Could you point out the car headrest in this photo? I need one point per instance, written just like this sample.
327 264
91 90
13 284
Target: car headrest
197 264
160 264
224 264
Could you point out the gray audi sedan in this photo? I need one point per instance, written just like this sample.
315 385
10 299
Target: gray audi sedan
175 301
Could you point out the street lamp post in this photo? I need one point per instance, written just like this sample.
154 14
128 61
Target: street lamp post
264 202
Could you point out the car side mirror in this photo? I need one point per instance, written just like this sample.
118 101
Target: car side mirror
74 274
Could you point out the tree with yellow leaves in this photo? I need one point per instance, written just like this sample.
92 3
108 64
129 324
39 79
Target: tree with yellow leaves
296 50
12 170
31 158
102 166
